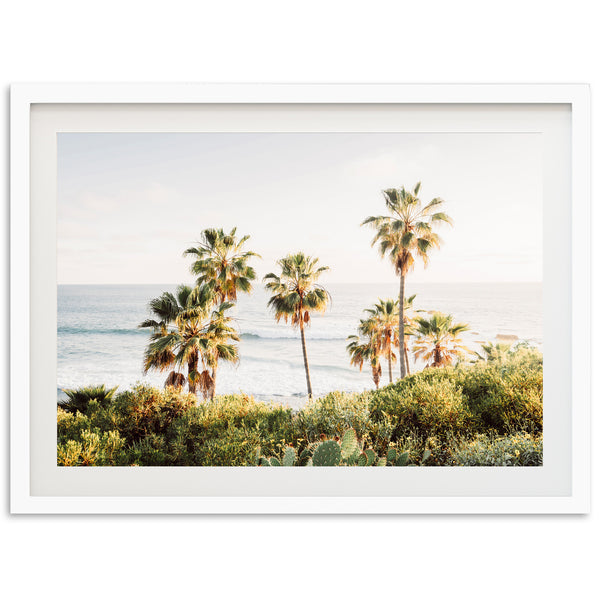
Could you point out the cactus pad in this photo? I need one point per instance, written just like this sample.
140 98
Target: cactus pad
402 460
289 457
327 454
349 444
371 456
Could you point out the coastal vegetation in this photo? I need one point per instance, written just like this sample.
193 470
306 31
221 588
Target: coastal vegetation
463 408
486 413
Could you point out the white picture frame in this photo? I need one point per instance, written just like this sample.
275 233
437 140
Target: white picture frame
30 160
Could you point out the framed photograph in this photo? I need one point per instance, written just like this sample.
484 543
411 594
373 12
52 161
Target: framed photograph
300 298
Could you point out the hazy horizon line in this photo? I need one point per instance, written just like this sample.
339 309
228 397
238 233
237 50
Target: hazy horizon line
334 282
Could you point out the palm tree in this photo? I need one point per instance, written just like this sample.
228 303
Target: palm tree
498 352
381 328
296 294
221 264
437 341
366 351
406 233
186 333
79 399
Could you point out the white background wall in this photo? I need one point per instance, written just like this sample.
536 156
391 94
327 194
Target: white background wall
271 557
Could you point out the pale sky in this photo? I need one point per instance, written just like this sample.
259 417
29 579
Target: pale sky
130 204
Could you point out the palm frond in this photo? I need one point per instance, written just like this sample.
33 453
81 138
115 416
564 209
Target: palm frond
295 292
408 230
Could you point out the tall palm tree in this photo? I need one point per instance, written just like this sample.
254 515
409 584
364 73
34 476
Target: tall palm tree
221 264
186 333
381 327
438 342
296 293
406 233
365 351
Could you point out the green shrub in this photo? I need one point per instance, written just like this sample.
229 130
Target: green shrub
92 449
150 451
519 449
420 405
145 410
235 448
269 426
98 419
332 415
505 397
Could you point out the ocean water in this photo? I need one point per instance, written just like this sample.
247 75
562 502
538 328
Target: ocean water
99 342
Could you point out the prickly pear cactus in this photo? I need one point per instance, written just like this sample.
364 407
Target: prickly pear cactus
349 444
392 455
426 456
289 457
371 456
264 462
274 461
362 460
327 454
402 460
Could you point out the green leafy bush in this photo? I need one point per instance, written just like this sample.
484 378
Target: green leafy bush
505 397
145 410
235 448
427 407
519 449
333 414
224 419
92 449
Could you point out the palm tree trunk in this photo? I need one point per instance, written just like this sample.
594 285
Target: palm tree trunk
305 360
375 370
401 328
390 363
192 367
213 376
406 359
